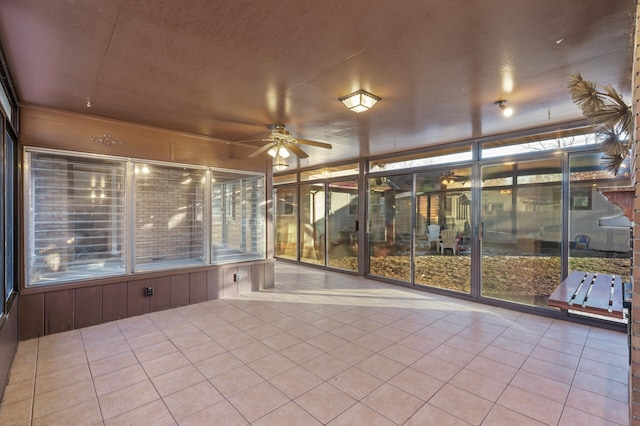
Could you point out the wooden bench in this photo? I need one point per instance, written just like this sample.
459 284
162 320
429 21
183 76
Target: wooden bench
599 294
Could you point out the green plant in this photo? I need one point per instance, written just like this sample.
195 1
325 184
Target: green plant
604 107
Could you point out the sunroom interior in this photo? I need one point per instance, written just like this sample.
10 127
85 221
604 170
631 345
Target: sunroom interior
191 219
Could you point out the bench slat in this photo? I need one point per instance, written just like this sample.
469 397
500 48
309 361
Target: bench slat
581 292
563 294
600 296
617 297
601 300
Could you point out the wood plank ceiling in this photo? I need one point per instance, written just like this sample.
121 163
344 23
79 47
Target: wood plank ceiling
229 69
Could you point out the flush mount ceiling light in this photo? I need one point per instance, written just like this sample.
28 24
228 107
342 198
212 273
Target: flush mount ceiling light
506 111
359 101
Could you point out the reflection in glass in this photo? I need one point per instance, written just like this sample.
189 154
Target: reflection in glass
521 224
286 222
390 233
312 205
342 226
599 235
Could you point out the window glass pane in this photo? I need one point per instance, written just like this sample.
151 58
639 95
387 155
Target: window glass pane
441 156
169 223
5 288
537 143
9 242
76 218
389 215
5 103
238 217
343 226
330 172
312 222
443 229
280 179
599 234
254 240
286 222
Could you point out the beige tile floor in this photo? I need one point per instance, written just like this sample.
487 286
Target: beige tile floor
323 348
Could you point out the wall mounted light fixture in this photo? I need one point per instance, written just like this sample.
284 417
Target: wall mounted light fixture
359 101
506 111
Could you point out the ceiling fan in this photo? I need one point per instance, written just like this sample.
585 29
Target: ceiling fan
280 144
449 178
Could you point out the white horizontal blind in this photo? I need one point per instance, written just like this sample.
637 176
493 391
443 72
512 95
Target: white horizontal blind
254 216
77 223
169 217
238 225
84 212
5 103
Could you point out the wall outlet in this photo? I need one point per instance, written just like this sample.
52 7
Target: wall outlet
236 278
148 291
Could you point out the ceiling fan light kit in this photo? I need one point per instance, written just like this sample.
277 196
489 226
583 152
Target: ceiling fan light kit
280 145
278 161
279 151
447 178
359 101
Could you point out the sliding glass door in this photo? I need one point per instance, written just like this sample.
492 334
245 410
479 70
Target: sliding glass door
521 222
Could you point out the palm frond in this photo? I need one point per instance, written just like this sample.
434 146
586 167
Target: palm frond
614 111
604 107
613 162
585 94
611 142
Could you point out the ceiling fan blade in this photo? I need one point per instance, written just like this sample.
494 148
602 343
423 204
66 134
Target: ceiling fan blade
262 149
313 143
296 150
253 140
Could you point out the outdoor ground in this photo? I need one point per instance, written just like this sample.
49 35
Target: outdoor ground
527 279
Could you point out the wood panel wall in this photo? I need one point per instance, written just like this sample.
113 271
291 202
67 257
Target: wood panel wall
54 309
